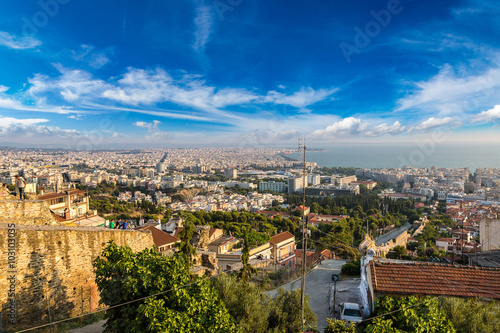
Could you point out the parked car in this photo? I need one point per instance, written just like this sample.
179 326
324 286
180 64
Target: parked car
350 313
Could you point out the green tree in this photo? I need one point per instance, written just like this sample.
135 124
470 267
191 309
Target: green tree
338 326
285 312
247 270
397 252
185 246
472 315
181 303
409 314
246 304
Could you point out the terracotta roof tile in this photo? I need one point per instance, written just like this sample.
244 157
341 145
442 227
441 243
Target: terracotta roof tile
160 237
434 279
281 237
59 218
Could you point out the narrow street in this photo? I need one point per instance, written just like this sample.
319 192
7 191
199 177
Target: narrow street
319 286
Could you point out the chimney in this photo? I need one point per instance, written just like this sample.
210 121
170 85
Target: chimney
67 214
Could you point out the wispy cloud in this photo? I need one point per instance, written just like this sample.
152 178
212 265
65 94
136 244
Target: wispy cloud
300 99
203 22
13 129
88 53
453 92
18 42
76 117
8 121
73 85
148 91
153 131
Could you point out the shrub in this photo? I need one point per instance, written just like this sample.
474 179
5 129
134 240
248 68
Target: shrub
351 268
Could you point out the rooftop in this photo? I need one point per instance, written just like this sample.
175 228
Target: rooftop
430 279
222 240
281 237
160 237
63 194
487 258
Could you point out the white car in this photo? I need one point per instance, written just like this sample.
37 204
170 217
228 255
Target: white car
350 313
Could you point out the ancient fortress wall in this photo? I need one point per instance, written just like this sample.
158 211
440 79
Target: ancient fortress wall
25 212
40 262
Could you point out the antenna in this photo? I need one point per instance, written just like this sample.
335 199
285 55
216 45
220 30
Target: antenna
302 155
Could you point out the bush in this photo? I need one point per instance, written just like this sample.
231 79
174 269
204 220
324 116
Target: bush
352 268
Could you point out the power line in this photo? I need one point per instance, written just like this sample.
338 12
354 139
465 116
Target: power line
117 305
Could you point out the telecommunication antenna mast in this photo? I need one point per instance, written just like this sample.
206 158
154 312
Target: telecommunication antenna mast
302 155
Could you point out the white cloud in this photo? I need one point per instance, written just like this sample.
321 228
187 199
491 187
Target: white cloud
488 116
18 43
30 133
8 121
355 127
76 117
435 122
203 22
139 86
153 131
9 103
300 99
73 85
88 53
382 129
147 90
450 92
346 126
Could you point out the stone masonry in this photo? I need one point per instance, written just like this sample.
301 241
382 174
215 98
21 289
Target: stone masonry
26 212
51 262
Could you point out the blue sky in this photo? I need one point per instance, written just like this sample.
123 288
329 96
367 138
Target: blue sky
122 73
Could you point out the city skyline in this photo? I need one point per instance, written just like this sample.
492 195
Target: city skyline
123 74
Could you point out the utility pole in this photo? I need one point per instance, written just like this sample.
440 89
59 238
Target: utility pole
462 239
302 153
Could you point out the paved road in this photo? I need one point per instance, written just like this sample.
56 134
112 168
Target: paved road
318 285
93 328
347 292
393 234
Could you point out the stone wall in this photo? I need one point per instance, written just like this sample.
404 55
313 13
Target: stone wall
26 212
54 262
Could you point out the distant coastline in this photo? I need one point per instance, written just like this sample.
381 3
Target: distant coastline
398 155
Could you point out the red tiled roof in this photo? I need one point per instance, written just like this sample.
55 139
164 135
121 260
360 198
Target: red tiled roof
434 279
273 213
160 237
63 194
59 218
445 239
281 237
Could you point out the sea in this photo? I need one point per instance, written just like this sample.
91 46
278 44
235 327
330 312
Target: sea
398 155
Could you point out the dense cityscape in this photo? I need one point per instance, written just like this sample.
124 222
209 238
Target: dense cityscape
239 166
417 214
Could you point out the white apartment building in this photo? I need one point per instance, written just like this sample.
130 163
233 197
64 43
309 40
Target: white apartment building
314 179
272 186
295 184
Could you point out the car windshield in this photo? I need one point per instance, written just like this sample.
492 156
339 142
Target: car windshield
352 313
